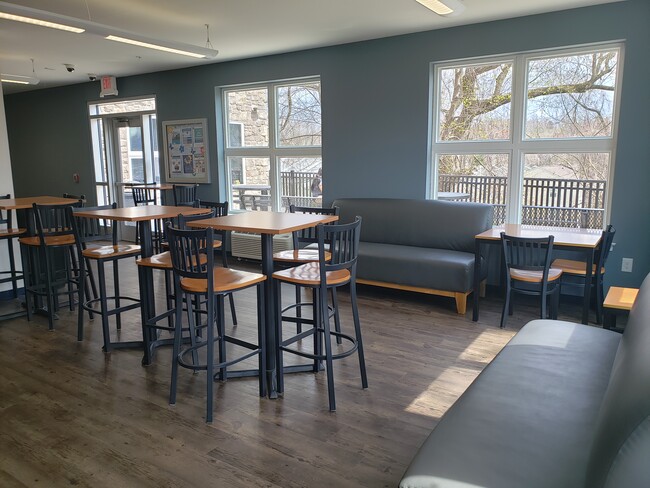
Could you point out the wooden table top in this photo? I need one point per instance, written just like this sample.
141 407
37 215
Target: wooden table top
265 222
564 236
27 202
620 298
137 214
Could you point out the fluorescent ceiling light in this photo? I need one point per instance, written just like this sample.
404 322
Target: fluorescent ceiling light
38 17
19 80
155 46
443 7
48 19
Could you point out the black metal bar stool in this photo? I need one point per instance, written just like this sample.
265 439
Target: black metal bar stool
184 195
89 230
196 276
338 270
8 234
51 271
305 250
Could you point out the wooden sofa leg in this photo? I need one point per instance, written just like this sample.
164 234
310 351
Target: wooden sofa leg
461 302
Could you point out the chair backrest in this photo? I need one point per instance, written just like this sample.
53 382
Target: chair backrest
604 247
304 237
189 257
81 198
527 254
143 196
184 195
220 208
89 230
341 241
6 219
184 219
54 220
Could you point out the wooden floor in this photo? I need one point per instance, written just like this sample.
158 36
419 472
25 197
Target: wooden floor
73 416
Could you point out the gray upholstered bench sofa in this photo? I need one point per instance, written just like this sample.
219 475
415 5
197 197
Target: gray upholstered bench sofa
563 405
425 246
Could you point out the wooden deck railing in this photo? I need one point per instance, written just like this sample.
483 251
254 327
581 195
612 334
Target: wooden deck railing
546 201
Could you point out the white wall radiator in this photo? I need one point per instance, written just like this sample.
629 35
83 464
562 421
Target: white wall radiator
244 245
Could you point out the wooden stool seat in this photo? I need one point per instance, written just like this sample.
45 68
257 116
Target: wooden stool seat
569 266
11 232
299 256
309 275
110 252
63 240
534 276
225 279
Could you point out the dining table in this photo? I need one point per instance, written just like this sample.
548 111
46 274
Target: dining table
582 241
268 224
142 216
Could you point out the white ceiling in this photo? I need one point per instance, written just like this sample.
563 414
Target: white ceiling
238 29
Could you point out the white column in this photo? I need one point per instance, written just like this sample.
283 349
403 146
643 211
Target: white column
6 186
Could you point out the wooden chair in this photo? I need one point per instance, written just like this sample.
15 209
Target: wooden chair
86 232
51 271
337 268
527 265
184 195
196 276
8 234
578 269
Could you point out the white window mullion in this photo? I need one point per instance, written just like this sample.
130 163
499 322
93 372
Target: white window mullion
515 183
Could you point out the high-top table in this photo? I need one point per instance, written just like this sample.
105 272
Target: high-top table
142 216
584 241
27 203
267 224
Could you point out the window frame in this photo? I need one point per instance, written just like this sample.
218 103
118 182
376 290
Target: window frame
518 146
274 152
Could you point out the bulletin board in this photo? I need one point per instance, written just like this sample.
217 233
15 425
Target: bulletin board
186 151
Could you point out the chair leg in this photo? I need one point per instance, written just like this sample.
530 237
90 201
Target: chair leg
178 333
221 328
231 299
191 326
261 338
324 323
357 331
555 303
24 257
507 307
210 358
299 308
103 306
48 290
337 319
318 342
277 297
12 268
599 300
116 285
82 298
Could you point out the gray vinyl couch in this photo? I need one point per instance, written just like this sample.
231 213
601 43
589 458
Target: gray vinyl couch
563 405
425 246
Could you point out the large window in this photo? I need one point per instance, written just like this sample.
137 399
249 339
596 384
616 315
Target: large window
532 134
273 144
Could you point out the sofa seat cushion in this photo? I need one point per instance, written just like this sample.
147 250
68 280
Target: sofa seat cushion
438 269
528 419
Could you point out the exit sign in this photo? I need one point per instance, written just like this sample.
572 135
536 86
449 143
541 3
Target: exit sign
109 86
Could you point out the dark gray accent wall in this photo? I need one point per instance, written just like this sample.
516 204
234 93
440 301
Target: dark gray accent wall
375 104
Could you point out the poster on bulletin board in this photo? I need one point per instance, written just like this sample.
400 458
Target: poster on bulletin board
186 151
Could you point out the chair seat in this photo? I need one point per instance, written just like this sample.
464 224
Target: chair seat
157 261
63 240
111 252
299 256
225 279
534 276
11 232
572 267
309 275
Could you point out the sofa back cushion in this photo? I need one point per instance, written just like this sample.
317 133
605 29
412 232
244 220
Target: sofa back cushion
422 223
620 457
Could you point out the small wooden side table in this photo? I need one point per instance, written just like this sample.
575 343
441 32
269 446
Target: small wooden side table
618 301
